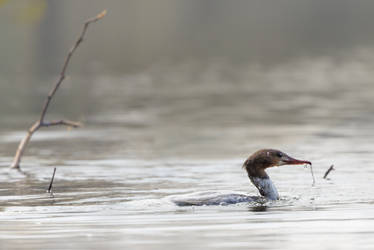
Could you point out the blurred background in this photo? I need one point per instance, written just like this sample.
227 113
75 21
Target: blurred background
190 72
139 34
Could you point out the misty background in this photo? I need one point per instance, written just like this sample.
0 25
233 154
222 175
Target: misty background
138 34
181 69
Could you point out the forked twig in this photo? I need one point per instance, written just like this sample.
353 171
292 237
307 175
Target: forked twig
41 122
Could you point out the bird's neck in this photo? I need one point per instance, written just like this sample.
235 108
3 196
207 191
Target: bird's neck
265 186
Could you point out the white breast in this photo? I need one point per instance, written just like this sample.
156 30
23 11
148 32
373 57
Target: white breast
266 187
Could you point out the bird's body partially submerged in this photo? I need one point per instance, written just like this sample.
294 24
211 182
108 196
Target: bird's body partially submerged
255 166
266 187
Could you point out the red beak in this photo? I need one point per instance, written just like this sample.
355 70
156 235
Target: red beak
292 161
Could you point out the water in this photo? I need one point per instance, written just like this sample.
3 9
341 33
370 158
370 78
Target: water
185 130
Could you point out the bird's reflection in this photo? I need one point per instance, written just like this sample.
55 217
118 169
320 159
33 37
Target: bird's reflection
258 208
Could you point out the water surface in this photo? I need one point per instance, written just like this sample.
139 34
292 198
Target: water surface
185 130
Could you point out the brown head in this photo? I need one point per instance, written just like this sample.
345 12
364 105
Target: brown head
263 159
266 158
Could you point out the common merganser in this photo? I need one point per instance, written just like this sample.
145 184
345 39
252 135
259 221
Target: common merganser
263 159
255 166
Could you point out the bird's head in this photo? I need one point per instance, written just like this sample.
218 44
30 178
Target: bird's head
266 158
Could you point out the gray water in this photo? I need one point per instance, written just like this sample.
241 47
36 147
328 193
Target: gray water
150 137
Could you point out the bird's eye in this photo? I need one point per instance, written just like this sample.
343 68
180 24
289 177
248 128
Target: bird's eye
279 154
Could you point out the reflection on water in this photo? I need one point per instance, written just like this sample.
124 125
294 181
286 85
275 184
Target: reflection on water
151 137
260 208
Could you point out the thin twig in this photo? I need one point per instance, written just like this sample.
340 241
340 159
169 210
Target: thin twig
62 122
51 183
41 123
328 171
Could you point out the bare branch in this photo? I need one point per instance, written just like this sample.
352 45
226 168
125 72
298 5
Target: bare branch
41 123
66 63
62 122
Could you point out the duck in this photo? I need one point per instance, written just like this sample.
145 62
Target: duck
255 166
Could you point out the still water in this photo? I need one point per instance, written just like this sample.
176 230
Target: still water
184 131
